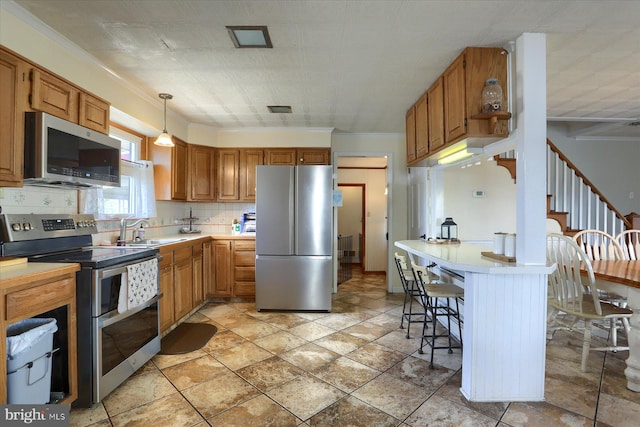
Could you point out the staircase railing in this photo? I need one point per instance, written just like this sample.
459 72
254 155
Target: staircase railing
572 192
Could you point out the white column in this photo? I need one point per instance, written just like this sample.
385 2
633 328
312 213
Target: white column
531 100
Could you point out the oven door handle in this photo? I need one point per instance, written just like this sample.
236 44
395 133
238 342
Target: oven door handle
110 272
113 317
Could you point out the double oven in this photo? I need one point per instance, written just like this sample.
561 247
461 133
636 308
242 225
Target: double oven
114 339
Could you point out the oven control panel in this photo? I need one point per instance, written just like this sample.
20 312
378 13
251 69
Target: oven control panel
22 227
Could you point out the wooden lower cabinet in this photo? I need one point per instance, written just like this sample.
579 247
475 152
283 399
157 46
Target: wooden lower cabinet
166 287
233 268
198 275
42 294
182 280
244 268
221 284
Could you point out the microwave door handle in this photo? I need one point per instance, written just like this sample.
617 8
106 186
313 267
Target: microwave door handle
114 317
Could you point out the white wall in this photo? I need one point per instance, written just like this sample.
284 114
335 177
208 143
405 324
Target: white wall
479 217
610 165
259 137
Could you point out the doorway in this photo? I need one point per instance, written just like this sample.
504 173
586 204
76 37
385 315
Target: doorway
351 219
370 177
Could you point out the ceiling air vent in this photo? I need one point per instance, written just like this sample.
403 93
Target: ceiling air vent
279 108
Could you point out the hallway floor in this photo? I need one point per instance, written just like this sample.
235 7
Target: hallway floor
350 367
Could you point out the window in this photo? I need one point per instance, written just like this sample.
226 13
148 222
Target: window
135 197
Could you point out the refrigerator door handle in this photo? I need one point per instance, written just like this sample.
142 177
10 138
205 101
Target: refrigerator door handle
293 209
295 216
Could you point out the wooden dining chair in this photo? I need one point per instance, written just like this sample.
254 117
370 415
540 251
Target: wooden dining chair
629 241
599 245
576 294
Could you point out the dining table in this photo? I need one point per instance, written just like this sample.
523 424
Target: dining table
623 278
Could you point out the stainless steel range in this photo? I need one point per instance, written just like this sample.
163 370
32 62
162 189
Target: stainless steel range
116 335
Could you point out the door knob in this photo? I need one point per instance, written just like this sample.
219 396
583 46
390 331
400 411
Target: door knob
423 237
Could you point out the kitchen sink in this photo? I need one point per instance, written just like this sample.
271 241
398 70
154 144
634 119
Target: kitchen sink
154 242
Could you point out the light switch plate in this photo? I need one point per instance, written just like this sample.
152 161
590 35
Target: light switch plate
479 193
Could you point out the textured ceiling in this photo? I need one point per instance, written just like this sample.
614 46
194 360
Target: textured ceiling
351 65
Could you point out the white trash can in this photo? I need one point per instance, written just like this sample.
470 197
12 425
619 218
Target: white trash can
29 352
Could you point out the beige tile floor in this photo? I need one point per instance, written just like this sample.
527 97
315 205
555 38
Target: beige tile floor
350 367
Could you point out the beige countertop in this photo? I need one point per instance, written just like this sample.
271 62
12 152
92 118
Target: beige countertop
14 275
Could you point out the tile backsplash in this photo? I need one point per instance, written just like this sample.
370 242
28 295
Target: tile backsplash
38 200
213 218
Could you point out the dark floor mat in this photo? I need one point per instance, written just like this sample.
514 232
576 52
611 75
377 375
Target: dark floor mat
187 337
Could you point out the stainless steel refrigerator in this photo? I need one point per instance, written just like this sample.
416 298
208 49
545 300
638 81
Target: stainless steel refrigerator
294 268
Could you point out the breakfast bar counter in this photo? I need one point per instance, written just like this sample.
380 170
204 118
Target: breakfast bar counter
505 308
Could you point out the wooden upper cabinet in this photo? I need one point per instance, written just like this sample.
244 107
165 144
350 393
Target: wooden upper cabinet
313 156
463 83
280 156
455 102
422 130
436 115
482 64
14 89
53 95
297 156
228 174
93 113
201 161
170 170
179 166
410 121
250 158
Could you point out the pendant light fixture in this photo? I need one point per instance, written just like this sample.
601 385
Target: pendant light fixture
164 140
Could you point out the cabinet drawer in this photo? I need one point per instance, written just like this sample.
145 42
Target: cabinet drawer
166 258
244 289
182 254
244 274
245 258
32 301
245 245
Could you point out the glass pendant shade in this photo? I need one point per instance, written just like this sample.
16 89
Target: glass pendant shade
165 140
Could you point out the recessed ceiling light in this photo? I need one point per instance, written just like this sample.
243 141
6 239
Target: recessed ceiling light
279 108
250 36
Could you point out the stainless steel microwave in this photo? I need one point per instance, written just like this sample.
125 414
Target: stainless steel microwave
58 153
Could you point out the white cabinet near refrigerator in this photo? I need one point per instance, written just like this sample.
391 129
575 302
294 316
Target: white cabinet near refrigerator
294 267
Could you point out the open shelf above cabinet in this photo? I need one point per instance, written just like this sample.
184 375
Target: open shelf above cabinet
492 118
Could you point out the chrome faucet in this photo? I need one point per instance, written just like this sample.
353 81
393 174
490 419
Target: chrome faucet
124 225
